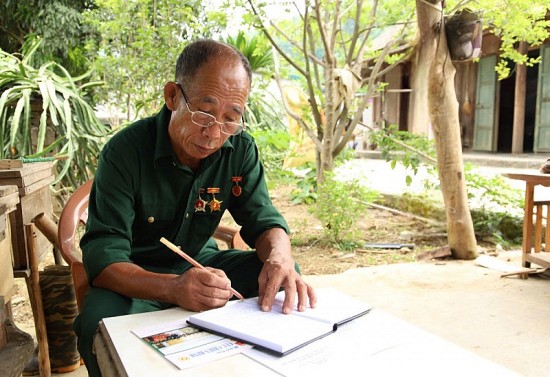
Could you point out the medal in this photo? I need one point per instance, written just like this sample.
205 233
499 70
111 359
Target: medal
214 204
236 189
200 203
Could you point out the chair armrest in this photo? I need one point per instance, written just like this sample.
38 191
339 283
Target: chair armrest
231 237
80 281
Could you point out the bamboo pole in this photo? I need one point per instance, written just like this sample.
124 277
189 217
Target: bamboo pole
49 228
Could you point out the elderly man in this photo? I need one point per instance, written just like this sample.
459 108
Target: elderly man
173 175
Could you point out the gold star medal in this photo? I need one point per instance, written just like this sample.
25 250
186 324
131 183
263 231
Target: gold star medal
200 203
236 189
214 204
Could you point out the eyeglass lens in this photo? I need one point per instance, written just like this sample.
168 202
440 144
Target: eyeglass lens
207 120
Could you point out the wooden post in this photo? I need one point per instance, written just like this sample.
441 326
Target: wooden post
48 228
519 103
35 296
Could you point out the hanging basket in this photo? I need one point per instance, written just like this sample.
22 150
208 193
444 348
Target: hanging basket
464 34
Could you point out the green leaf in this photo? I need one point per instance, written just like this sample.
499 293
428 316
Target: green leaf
3 145
28 56
42 128
54 107
3 101
15 120
42 71
44 94
68 119
26 93
22 69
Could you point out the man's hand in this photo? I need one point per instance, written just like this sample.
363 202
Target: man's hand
197 289
273 247
200 290
276 275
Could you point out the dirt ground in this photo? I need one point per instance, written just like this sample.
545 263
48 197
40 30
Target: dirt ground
376 226
315 256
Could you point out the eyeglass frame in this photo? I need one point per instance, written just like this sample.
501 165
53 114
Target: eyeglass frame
240 126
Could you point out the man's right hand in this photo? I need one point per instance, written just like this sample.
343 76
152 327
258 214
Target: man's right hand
197 289
202 289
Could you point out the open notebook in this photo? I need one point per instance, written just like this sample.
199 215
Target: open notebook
281 333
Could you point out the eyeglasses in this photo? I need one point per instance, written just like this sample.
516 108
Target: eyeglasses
206 120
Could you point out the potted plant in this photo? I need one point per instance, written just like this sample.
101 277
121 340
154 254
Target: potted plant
43 114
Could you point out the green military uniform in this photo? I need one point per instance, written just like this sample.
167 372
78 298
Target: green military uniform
141 194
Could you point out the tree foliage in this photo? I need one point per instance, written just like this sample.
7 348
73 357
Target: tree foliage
263 115
333 55
516 21
57 23
513 21
139 44
262 109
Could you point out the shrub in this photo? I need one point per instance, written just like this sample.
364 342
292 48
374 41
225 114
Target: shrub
339 205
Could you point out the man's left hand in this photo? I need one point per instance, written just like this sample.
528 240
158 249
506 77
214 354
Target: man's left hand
279 272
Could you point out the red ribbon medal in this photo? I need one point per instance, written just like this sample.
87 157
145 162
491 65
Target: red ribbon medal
236 189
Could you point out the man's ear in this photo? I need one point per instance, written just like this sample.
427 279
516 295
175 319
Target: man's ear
171 95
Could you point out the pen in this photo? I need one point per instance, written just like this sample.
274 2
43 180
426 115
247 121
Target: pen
178 251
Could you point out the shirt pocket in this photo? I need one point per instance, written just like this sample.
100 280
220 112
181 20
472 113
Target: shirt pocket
205 223
155 220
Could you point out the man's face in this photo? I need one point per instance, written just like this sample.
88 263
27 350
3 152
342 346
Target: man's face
220 88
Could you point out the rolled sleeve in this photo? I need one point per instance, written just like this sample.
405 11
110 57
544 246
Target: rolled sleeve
264 218
108 231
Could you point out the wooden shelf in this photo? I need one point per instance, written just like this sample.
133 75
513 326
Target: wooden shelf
542 259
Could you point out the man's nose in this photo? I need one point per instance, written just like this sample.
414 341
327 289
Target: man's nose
214 131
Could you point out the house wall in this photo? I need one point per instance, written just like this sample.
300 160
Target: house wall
418 115
465 86
392 96
406 85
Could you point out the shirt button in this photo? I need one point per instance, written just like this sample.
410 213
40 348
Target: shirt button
150 219
187 215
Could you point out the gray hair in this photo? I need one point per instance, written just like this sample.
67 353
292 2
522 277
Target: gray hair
197 53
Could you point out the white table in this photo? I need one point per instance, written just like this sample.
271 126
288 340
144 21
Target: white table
376 344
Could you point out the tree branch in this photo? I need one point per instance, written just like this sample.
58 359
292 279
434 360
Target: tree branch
403 145
370 92
272 41
311 88
327 58
291 113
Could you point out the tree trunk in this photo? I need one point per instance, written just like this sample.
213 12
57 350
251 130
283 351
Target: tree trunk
443 109
326 162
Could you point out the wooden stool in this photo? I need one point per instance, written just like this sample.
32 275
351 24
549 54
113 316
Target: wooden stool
541 211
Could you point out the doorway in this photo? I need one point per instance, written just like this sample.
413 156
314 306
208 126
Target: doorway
506 108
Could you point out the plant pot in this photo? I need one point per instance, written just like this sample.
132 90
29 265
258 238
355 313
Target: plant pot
464 35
